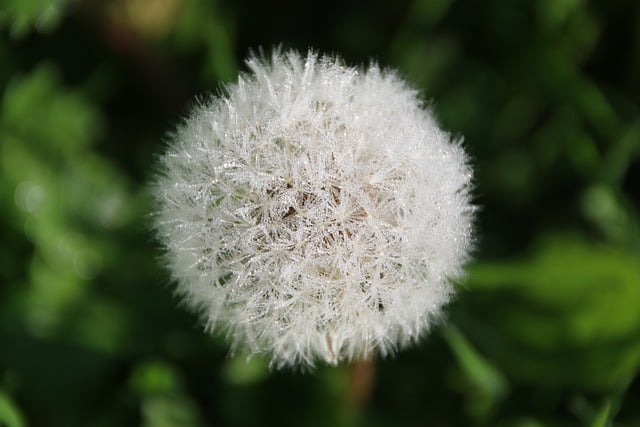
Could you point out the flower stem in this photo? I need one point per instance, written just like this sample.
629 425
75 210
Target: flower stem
360 383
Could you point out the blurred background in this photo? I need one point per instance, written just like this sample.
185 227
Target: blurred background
546 328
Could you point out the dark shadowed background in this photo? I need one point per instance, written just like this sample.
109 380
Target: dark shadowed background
546 328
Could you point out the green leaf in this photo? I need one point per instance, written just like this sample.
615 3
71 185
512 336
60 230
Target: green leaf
241 371
163 400
566 316
10 415
610 406
52 119
489 385
155 377
22 16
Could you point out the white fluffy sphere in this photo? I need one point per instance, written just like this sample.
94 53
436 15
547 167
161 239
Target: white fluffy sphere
315 212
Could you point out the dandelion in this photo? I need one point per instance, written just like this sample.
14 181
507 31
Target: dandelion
316 212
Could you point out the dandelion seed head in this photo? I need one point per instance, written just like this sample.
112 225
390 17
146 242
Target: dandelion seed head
316 212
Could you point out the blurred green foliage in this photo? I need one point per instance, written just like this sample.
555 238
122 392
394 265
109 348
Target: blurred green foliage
546 328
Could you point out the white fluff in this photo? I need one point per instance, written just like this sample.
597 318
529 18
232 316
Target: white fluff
316 212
